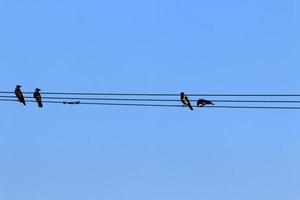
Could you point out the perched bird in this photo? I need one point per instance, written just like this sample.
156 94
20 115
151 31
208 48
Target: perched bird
185 100
38 97
203 102
19 94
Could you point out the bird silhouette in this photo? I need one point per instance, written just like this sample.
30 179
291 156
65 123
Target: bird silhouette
185 100
19 94
38 97
203 102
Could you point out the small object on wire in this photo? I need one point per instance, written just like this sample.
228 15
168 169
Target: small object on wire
71 102
203 102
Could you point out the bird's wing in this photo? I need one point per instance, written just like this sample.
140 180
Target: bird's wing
188 103
20 96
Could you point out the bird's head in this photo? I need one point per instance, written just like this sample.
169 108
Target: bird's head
181 94
38 89
19 86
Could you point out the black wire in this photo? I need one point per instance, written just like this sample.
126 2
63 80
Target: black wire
166 105
253 101
8 100
156 100
159 94
162 105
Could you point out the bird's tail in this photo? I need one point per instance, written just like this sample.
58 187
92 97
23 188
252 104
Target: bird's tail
24 103
40 104
191 107
212 103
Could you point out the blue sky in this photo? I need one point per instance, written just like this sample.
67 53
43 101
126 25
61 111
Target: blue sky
161 46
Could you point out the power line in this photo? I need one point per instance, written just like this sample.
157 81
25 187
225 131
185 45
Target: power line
149 99
167 105
157 100
158 94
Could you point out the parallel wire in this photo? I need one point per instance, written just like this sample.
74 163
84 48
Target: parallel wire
157 100
166 105
158 94
58 96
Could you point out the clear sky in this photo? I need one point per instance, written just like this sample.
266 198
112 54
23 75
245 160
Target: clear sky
161 46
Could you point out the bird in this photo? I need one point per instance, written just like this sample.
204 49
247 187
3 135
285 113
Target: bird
185 100
19 94
203 102
38 97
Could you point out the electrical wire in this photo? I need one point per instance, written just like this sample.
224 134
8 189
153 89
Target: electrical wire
157 100
158 94
165 105
149 99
